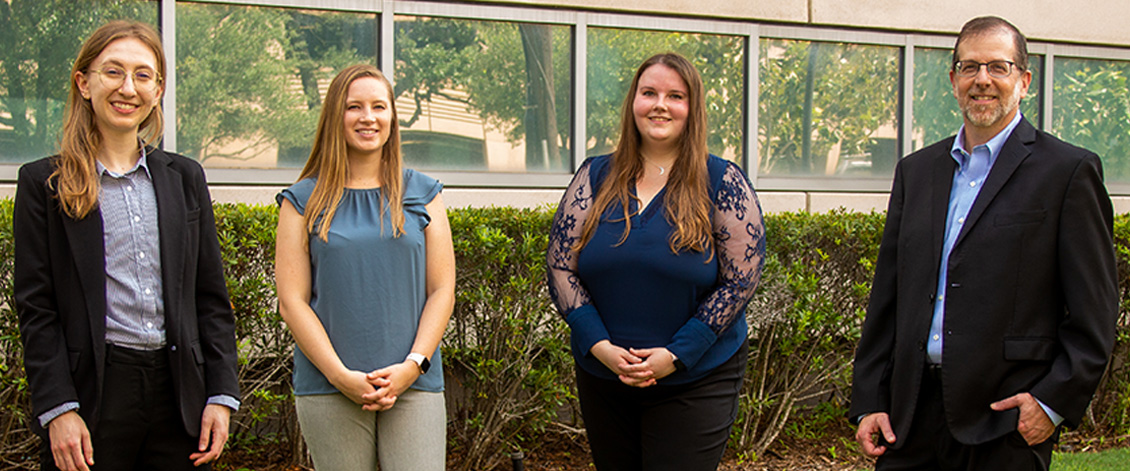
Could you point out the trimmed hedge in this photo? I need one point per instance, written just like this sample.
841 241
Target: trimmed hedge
509 372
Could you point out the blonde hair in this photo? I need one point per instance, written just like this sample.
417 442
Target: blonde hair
687 202
328 160
74 178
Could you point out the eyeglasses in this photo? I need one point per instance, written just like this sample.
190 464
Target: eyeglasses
143 79
998 69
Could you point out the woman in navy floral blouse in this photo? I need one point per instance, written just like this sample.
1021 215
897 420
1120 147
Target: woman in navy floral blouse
654 253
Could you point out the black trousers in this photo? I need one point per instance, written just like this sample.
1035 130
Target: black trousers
140 426
931 446
678 428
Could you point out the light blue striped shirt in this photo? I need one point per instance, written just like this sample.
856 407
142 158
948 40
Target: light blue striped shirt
135 307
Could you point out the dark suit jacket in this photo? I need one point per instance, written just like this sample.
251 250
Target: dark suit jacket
1033 292
60 293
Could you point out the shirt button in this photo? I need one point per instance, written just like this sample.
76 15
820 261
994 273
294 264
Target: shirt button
972 184
936 337
961 220
129 188
136 218
148 291
141 255
149 325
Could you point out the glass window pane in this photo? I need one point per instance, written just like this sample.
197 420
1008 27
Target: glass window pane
614 55
38 45
828 109
484 95
1091 109
250 80
936 115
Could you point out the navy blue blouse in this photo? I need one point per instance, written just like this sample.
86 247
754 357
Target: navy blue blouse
639 294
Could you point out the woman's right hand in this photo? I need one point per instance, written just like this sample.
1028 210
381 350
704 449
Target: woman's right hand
354 385
621 362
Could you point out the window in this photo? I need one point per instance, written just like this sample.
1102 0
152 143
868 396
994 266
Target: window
250 80
484 95
1091 109
827 109
613 56
490 94
36 55
936 115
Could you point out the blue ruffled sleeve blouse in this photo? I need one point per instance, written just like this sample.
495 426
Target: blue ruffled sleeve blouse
639 294
368 288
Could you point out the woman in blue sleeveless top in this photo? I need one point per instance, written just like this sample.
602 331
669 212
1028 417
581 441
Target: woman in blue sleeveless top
654 253
366 283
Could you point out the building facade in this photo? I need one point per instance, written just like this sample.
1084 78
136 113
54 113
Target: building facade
816 99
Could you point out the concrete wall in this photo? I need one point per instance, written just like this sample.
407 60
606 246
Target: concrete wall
1095 22
771 201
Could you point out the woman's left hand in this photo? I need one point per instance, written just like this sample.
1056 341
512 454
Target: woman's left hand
398 376
658 363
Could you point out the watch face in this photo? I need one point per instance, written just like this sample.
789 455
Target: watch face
425 365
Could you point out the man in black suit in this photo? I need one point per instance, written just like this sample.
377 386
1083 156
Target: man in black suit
993 308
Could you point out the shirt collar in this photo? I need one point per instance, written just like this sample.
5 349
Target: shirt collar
142 163
994 145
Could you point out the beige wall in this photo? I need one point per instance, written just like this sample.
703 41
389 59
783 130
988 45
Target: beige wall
771 201
1096 22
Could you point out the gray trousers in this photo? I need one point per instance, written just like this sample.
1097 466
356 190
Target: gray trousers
411 436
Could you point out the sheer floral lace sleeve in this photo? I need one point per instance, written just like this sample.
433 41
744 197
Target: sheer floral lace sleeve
739 244
565 286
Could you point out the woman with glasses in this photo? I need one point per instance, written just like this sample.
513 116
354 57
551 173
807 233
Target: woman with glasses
366 283
654 253
129 343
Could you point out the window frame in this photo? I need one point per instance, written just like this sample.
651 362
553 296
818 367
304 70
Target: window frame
752 32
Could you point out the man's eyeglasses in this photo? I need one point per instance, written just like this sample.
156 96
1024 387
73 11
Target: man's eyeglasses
143 79
998 69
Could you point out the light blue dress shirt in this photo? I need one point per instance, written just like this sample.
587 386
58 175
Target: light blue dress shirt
968 178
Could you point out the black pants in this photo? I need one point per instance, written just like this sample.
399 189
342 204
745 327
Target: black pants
679 428
140 426
930 446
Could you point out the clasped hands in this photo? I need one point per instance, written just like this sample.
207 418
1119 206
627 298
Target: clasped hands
377 390
635 367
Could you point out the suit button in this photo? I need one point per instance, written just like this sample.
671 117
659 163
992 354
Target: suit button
921 345
931 297
173 348
955 285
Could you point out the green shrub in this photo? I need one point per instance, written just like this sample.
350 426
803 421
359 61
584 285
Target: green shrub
509 371
805 319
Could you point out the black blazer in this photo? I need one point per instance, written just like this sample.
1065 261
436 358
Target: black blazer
1033 291
60 293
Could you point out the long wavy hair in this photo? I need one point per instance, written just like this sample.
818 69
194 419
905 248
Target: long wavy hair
687 202
74 178
329 159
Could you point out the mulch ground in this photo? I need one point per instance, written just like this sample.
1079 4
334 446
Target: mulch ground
571 454
833 452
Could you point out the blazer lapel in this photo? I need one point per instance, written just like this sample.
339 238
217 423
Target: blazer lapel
89 249
941 185
167 185
1013 153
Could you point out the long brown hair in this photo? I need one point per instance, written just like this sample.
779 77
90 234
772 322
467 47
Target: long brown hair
687 202
74 178
328 160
